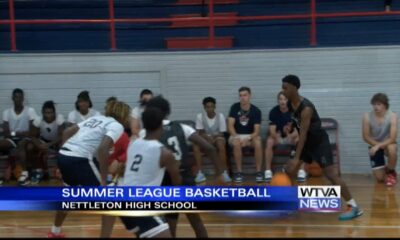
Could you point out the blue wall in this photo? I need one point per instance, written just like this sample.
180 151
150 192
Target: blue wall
353 31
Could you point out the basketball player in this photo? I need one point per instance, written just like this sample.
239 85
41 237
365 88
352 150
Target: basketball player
17 121
313 142
94 136
175 138
148 161
380 132
46 133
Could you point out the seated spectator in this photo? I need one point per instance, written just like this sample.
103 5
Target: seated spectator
46 134
16 123
244 128
279 133
211 126
136 116
380 132
83 109
117 157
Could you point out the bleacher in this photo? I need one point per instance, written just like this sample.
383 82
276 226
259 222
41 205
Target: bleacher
344 31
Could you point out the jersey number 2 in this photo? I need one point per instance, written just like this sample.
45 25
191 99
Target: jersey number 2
174 144
138 160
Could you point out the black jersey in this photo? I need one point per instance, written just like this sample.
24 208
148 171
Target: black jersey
174 139
315 132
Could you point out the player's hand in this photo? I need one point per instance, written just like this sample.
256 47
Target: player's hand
245 142
373 150
44 146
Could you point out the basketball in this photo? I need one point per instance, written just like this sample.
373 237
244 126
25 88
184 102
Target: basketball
313 169
281 179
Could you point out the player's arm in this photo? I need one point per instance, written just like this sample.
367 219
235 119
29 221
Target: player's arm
256 131
272 131
102 155
135 127
304 127
69 132
6 129
231 126
366 133
393 133
209 149
168 161
35 134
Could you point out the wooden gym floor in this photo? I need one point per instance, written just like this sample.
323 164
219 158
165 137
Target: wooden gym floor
380 204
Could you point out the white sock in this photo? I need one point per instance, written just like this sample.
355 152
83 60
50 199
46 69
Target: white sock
25 173
352 203
56 230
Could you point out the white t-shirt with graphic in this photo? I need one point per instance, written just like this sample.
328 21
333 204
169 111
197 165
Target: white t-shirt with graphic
90 134
49 131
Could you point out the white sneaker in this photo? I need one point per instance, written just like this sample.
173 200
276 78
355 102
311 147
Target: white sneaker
200 177
226 177
301 175
268 175
23 180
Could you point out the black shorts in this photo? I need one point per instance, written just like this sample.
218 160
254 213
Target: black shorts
320 152
378 160
77 171
145 227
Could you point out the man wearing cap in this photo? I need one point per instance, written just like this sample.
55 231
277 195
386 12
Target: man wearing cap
313 142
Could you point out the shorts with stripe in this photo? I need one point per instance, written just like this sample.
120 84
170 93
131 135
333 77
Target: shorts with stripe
78 171
145 227
378 160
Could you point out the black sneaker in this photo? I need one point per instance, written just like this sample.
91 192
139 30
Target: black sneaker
37 176
238 177
259 177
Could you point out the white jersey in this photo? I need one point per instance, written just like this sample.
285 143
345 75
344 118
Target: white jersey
49 131
76 117
20 122
90 134
143 164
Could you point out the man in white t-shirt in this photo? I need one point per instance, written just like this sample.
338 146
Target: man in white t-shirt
83 157
46 133
211 126
83 109
16 125
136 116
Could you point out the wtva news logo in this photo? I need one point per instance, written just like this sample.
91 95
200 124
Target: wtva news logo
319 198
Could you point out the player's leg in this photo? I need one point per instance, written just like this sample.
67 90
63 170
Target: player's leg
391 175
198 158
197 225
220 143
258 155
378 165
237 156
323 155
22 145
172 220
269 155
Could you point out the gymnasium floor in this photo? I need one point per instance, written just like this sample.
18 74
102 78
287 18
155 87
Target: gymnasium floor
380 219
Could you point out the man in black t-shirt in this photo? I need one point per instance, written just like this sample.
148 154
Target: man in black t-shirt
244 125
279 133
313 143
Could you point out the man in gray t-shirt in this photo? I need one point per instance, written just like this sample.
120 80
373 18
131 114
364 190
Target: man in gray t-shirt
380 132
